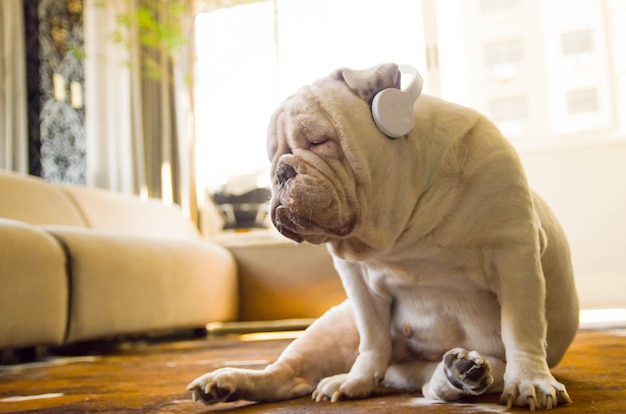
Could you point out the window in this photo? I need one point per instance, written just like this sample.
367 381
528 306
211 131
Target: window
561 77
577 42
581 101
504 52
235 90
252 56
510 114
503 59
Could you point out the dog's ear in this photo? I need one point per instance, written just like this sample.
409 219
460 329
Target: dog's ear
367 83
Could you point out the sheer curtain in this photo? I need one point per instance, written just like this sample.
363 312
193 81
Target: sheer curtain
13 95
139 129
113 141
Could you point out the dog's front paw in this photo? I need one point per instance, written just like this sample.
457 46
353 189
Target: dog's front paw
344 386
215 387
542 392
467 370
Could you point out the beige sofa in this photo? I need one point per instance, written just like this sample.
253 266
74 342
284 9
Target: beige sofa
81 264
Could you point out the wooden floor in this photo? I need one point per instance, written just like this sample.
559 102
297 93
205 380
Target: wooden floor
151 378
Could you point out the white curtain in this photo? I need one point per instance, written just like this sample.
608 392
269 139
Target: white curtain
13 93
112 136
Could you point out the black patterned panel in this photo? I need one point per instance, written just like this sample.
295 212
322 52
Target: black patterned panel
33 83
56 74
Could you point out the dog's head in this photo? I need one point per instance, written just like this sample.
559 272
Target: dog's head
322 143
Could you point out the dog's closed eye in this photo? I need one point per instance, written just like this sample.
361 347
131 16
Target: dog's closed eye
324 146
319 141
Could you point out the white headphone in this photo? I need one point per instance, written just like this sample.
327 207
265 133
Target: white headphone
392 108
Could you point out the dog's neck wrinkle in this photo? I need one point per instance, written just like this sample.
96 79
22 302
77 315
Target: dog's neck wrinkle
368 241
356 249
380 231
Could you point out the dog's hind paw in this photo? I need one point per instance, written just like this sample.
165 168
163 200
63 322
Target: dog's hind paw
467 370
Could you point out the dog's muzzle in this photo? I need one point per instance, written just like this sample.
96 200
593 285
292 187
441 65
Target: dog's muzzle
298 214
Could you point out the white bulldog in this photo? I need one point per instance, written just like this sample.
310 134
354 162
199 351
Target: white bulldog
458 276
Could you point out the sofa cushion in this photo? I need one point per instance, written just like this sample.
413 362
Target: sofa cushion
130 284
33 287
35 201
131 215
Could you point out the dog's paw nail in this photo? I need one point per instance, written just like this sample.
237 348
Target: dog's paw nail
319 396
564 396
531 404
336 396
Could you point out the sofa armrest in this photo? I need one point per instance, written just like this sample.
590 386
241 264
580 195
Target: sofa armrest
34 287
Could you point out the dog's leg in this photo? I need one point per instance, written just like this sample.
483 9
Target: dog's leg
232 384
372 315
522 293
329 346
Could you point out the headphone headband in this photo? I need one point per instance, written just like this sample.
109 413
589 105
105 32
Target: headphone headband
417 82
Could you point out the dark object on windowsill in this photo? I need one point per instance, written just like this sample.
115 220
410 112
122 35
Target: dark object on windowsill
243 211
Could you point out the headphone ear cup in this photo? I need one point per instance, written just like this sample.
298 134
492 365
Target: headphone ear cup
393 112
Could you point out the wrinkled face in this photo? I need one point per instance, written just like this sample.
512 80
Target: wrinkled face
313 195
315 187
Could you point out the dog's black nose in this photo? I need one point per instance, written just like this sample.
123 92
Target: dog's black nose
284 172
